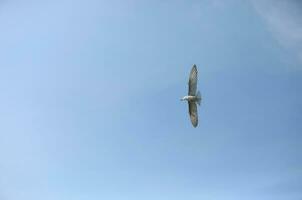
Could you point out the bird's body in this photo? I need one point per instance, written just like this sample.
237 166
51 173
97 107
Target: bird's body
193 97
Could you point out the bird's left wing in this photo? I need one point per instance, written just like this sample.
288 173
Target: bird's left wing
193 81
193 113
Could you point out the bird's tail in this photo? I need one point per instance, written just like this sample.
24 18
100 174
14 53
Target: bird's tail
198 95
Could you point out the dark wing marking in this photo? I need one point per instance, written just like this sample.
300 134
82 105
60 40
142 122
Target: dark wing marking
193 81
193 113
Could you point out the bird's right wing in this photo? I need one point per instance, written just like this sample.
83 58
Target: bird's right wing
193 113
193 81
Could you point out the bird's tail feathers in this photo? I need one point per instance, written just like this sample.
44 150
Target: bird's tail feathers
198 95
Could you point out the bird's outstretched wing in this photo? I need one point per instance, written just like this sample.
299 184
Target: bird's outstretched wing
193 81
193 113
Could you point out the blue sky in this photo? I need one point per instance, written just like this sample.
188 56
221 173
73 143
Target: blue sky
90 104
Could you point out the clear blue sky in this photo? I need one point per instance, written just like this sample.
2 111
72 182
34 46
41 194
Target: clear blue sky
90 109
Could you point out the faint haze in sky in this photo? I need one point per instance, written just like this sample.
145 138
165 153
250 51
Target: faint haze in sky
90 104
284 19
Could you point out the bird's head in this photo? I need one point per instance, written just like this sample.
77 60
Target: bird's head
183 99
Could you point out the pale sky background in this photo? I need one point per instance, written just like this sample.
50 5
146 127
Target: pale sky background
90 103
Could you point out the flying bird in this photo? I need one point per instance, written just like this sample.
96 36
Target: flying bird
193 97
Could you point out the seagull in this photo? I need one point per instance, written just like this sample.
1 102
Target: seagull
193 97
